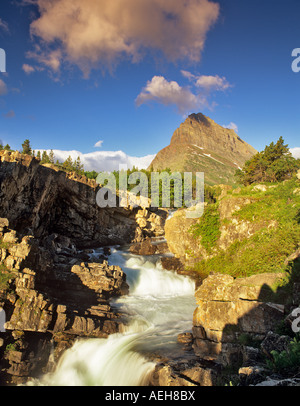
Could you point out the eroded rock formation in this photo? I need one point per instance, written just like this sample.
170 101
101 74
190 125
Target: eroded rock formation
50 297
40 200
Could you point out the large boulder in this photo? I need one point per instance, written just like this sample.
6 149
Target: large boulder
228 308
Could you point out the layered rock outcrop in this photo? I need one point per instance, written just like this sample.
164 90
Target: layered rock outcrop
40 200
50 297
229 308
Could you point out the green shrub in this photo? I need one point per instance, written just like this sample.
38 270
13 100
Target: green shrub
286 361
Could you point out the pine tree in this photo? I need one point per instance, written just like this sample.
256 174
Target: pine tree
38 155
274 164
78 166
26 148
68 164
45 158
51 156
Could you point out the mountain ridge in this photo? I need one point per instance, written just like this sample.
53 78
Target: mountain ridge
201 145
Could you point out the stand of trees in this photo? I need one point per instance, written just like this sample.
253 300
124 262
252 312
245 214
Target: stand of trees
68 165
274 164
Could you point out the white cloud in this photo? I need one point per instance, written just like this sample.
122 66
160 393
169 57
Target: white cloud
295 152
207 82
98 144
160 90
232 126
88 33
3 88
186 98
103 160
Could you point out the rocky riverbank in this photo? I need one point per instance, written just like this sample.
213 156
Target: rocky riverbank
50 297
51 291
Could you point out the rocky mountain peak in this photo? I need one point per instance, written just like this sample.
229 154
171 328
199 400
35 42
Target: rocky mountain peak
202 145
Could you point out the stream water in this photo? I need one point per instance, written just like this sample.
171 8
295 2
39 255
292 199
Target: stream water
159 306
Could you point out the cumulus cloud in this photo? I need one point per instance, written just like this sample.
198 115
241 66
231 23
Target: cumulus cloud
232 126
187 99
3 88
295 152
160 90
103 160
92 32
98 144
207 82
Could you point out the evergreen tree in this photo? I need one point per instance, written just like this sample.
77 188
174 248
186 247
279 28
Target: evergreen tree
78 166
51 156
7 147
68 164
38 155
45 158
26 148
274 164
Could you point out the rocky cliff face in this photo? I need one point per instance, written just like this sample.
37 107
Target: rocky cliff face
51 291
40 200
201 145
51 294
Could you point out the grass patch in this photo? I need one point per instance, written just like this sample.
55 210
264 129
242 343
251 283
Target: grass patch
268 248
278 203
208 228
265 251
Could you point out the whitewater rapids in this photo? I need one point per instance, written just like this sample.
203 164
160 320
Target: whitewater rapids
159 306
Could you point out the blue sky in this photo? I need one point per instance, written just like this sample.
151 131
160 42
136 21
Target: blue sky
128 72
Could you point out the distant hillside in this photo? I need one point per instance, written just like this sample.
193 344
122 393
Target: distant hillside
201 145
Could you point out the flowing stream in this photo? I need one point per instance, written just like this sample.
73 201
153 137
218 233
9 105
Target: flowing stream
159 306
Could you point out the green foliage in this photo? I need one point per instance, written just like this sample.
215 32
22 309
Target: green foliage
26 148
45 158
5 277
273 218
7 148
51 157
91 174
208 227
274 164
11 347
286 361
144 179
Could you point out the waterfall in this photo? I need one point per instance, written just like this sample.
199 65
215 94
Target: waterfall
159 307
